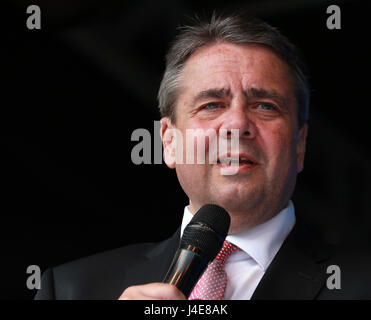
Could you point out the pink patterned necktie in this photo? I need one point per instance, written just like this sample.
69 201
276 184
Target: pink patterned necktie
211 285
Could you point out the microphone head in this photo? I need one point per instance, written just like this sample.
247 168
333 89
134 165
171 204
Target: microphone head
207 231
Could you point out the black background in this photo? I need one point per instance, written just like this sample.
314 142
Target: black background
74 91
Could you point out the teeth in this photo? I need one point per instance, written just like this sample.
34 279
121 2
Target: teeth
246 160
229 161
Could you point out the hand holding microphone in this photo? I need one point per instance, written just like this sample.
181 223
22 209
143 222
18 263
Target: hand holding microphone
201 241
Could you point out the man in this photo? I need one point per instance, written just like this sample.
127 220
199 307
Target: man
229 75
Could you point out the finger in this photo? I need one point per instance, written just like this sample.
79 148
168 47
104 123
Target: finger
152 291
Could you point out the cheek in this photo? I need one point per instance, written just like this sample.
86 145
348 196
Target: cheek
193 179
199 136
278 146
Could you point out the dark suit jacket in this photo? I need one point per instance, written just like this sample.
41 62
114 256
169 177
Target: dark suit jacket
298 271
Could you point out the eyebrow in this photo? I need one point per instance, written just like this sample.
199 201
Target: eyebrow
251 93
260 93
213 93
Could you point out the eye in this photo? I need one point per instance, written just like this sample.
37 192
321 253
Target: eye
266 106
211 106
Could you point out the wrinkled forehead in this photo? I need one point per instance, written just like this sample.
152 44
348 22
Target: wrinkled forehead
236 67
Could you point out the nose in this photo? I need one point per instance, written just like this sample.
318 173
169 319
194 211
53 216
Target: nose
237 117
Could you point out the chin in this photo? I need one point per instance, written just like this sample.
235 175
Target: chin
238 199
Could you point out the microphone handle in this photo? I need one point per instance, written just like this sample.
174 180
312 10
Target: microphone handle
185 270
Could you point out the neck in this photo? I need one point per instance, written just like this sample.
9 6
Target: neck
244 220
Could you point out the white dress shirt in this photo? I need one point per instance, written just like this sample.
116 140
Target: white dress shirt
258 246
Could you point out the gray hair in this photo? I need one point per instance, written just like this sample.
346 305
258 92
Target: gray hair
236 30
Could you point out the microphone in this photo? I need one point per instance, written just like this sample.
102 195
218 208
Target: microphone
202 240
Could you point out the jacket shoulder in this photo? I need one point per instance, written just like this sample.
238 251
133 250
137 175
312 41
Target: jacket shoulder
98 276
348 275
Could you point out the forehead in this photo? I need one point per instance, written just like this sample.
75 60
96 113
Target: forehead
236 67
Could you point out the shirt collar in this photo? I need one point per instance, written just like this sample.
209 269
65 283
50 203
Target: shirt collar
263 241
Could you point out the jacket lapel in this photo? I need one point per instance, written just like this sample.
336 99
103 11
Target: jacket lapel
297 271
153 265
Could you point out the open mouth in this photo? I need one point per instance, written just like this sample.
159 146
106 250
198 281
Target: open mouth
236 160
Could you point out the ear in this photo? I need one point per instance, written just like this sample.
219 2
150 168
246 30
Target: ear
300 147
168 142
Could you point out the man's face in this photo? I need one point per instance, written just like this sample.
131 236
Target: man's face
249 88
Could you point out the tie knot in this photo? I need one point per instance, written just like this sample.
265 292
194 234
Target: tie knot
226 251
